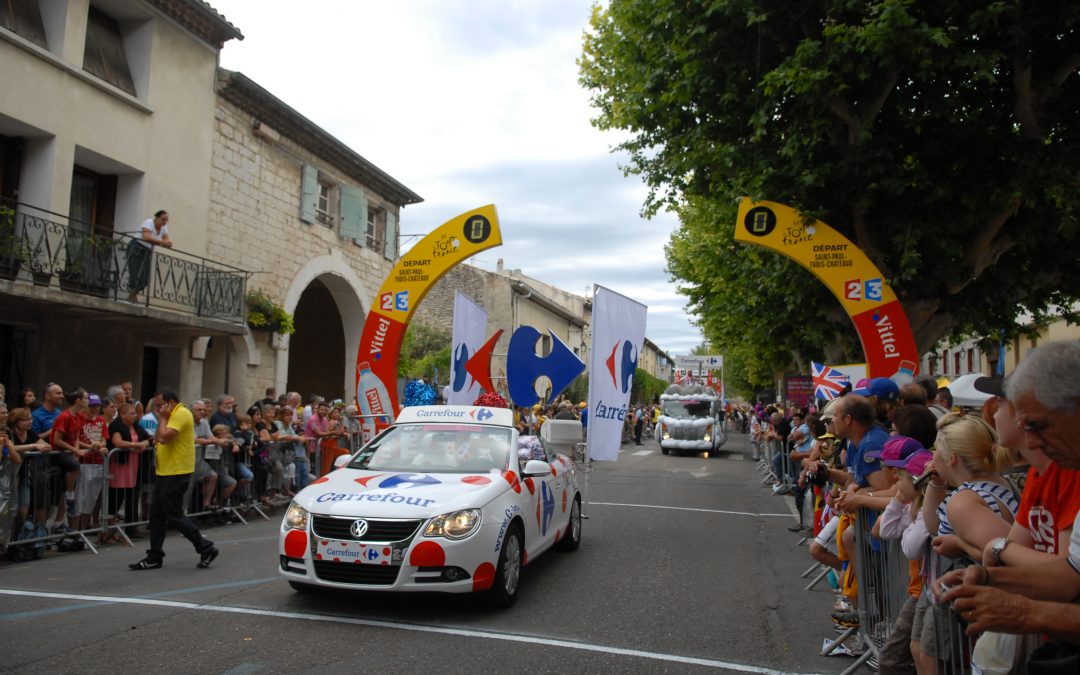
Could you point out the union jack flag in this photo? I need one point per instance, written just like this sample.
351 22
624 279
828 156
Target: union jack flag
828 382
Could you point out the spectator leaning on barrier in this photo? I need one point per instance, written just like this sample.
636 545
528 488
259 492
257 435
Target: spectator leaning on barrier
130 440
65 438
205 479
175 441
92 453
1045 389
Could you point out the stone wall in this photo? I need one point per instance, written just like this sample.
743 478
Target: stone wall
254 223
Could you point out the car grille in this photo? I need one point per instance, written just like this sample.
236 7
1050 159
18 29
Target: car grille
685 434
356 573
378 530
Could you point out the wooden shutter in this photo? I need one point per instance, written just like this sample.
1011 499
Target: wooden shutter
353 212
390 250
309 193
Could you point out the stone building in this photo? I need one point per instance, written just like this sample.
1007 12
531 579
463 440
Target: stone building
315 223
107 115
114 110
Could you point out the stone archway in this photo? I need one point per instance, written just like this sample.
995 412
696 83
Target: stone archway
346 290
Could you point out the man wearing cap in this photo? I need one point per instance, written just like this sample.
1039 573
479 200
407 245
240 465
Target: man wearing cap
1045 389
92 452
882 393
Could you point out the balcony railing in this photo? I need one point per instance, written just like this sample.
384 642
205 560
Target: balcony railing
49 249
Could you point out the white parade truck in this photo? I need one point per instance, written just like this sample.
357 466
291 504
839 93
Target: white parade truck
691 419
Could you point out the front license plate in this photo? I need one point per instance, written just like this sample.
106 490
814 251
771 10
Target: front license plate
334 550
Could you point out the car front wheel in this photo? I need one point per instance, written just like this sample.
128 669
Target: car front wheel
571 539
503 592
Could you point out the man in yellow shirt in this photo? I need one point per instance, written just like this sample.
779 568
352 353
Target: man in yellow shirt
175 440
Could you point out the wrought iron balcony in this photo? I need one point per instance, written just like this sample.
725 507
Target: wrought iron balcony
48 249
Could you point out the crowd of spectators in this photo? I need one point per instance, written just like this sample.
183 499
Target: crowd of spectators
59 451
983 504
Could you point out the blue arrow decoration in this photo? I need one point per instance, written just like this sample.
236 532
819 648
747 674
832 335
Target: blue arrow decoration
524 367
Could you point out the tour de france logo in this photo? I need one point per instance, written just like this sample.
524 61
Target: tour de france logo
760 221
477 229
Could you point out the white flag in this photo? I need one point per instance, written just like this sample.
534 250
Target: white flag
470 320
618 332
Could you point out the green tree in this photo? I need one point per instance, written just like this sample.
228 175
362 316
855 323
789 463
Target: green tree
425 351
942 137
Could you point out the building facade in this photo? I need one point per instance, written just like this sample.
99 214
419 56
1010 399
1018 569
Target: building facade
107 116
315 223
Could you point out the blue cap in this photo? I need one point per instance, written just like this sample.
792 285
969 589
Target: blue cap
881 387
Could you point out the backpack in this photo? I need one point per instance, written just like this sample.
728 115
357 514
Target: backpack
28 552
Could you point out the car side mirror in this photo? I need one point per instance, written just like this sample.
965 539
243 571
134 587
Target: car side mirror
536 467
341 461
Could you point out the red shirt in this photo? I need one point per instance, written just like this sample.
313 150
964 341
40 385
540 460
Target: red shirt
93 431
68 427
1049 505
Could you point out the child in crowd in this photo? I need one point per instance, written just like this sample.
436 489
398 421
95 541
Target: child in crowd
217 455
92 453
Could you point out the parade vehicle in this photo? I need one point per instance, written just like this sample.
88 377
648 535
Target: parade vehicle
443 500
691 419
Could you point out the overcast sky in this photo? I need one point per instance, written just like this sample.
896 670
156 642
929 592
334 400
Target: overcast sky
470 103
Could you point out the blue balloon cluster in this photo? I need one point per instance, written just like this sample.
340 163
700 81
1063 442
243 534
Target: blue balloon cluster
419 393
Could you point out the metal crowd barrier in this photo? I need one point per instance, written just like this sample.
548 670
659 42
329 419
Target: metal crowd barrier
883 579
41 487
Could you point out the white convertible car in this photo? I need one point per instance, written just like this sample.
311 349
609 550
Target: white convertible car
441 501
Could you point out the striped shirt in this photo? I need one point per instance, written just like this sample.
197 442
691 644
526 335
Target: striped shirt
992 494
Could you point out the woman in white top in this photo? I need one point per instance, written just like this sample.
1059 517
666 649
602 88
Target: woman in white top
153 232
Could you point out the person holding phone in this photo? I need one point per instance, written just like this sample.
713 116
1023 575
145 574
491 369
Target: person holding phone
175 441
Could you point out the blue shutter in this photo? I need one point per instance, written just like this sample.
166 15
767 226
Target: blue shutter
309 193
390 250
353 212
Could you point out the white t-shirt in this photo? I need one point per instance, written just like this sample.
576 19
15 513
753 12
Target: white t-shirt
1074 545
148 226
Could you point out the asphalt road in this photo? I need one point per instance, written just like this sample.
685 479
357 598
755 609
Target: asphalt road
686 565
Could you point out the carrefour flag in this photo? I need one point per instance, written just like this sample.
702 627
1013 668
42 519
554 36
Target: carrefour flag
618 334
470 320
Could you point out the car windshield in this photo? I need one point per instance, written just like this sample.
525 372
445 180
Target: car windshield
686 408
435 448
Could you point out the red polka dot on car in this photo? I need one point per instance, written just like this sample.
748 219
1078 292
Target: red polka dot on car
319 480
296 543
512 478
476 480
427 554
386 551
531 485
483 576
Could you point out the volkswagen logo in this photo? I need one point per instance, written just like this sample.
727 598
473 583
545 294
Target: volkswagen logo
359 528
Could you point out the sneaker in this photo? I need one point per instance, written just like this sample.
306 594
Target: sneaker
780 489
849 618
145 564
207 557
798 527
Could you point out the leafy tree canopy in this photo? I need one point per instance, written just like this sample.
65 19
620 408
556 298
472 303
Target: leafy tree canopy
942 137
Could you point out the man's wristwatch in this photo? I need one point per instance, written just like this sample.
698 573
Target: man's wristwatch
998 547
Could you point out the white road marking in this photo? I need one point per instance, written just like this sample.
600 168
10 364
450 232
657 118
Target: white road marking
412 627
642 453
686 508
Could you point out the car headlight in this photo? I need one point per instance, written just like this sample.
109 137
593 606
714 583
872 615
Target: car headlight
708 433
456 525
296 517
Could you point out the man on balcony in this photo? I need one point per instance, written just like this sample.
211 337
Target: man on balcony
153 232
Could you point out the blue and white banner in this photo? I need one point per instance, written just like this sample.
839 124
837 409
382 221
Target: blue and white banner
470 321
618 332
